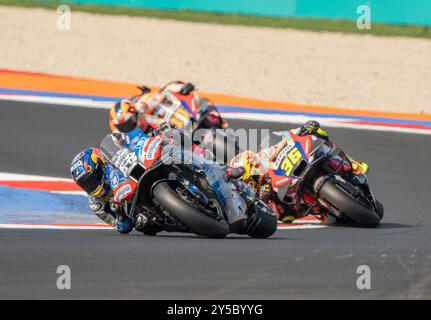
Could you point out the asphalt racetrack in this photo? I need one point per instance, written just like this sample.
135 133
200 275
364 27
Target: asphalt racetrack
293 264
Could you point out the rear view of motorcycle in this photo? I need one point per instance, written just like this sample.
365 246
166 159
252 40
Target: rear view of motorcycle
346 196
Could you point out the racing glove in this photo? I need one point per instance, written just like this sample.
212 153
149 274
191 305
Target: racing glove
124 224
313 127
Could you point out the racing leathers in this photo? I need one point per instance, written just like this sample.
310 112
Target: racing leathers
115 199
111 204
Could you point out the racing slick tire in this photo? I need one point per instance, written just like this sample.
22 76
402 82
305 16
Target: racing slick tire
338 198
192 217
380 209
261 224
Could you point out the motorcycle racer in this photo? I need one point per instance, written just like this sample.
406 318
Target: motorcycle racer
256 166
106 187
148 109
111 191
125 117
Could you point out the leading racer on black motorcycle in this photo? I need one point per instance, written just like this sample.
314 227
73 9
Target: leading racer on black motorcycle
112 197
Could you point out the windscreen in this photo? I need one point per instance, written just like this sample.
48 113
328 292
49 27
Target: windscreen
110 145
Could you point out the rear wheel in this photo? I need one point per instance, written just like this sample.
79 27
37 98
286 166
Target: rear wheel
340 200
192 217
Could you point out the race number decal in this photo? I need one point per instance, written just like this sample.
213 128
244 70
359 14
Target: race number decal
289 162
124 159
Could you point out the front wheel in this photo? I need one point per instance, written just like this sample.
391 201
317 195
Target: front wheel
262 223
189 215
340 200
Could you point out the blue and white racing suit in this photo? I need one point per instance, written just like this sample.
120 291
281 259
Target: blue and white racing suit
104 208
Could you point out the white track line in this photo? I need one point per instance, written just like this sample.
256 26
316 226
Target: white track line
8 176
270 117
102 227
327 122
301 227
74 102
79 193
53 227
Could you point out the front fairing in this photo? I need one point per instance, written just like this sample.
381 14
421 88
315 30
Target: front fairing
285 154
289 157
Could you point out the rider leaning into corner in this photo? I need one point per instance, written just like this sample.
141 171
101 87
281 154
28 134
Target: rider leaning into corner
139 111
110 191
252 164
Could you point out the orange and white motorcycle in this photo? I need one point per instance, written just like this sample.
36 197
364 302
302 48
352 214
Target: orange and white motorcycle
179 104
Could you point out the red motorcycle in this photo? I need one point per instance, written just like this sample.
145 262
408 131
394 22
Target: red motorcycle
310 175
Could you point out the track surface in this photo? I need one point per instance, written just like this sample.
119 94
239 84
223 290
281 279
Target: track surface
320 263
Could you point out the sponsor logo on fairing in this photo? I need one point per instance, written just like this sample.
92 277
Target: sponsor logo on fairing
152 148
122 193
124 159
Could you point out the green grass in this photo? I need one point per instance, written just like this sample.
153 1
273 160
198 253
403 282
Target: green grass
345 26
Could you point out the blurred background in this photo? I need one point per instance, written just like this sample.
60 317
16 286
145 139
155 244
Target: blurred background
341 53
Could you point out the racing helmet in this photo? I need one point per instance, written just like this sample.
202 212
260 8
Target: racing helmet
123 116
88 171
